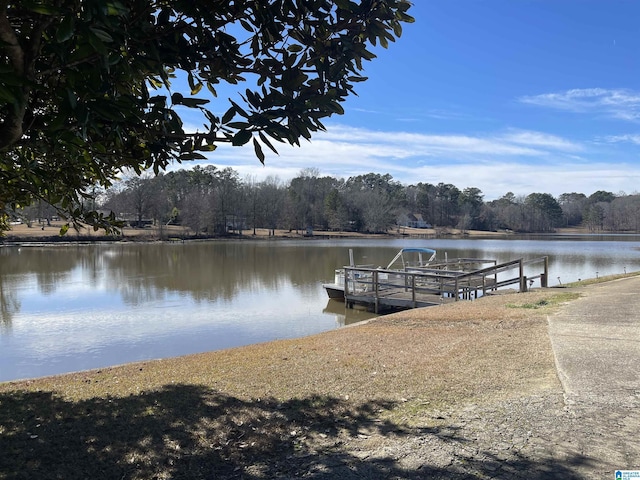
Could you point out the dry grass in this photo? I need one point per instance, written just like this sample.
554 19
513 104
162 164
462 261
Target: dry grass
410 354
603 279
51 233
235 408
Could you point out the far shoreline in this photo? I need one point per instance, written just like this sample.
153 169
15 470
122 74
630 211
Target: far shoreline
49 235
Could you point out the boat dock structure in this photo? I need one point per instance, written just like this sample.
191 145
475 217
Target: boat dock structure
436 283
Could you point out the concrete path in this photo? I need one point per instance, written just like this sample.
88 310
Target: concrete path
596 342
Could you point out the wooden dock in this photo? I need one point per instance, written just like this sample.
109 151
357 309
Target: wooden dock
450 281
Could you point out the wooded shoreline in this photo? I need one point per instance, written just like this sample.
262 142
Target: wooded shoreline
51 234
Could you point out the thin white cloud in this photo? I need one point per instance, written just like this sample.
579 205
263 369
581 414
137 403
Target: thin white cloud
540 139
414 114
419 115
629 138
514 160
497 178
618 103
403 144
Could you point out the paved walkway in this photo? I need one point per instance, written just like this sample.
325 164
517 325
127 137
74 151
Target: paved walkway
596 342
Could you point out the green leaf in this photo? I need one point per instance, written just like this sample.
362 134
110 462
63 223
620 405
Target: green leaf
65 30
211 88
64 229
48 10
335 107
295 48
397 29
97 44
159 100
194 102
258 150
192 156
266 141
238 125
241 138
238 109
246 25
7 95
228 115
194 83
71 96
116 9
101 34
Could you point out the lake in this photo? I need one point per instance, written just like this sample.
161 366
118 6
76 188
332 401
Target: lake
70 308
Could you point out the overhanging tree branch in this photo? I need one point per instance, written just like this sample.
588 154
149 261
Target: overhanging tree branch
77 80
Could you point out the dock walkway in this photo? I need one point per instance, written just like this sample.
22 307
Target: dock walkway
445 282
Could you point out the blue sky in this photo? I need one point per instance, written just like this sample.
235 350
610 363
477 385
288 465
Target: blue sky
503 95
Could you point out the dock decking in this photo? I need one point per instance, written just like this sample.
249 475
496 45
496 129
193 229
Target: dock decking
438 283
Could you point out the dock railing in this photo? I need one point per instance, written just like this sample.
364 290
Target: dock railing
437 283
468 283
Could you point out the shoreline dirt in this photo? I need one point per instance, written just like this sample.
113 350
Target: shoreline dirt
466 390
50 234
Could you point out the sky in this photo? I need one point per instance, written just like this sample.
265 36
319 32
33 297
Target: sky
502 95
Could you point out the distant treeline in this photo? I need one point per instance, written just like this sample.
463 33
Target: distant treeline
213 201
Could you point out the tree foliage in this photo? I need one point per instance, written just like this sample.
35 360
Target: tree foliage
546 212
207 201
88 87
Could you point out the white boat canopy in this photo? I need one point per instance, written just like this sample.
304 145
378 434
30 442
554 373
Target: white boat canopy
420 251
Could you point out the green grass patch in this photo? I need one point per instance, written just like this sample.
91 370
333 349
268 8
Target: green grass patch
606 278
551 301
538 304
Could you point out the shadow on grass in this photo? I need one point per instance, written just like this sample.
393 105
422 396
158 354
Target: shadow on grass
191 432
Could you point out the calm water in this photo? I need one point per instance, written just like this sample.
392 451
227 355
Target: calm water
69 308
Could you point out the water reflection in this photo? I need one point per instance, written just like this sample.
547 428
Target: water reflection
346 316
9 304
221 271
211 271
70 308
